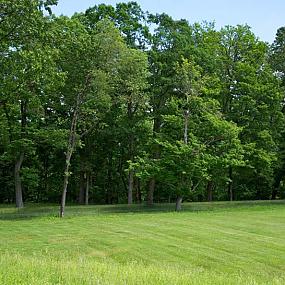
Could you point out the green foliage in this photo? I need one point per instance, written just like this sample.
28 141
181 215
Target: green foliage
181 105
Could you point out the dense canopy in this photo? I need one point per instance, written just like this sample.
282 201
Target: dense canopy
117 105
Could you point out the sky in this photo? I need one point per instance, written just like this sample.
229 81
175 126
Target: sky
263 16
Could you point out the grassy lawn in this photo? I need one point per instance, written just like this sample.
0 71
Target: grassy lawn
207 243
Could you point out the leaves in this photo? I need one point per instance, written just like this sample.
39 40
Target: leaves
180 105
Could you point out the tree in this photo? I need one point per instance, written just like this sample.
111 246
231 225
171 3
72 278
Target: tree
170 42
137 107
88 59
132 85
277 54
250 97
195 140
277 59
27 73
99 61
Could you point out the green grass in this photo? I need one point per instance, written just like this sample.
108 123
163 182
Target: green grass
207 243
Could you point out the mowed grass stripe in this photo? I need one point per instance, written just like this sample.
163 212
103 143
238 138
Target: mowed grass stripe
243 245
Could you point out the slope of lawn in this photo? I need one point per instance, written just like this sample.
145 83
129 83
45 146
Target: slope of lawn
207 243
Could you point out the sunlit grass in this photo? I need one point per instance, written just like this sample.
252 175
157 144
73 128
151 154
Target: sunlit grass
208 243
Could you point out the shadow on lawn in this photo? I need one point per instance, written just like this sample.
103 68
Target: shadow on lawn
32 211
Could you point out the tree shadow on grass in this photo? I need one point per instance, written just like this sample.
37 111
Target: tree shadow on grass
33 211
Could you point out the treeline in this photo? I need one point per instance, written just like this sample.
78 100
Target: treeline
117 105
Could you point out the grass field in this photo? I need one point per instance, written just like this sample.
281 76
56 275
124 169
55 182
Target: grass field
207 243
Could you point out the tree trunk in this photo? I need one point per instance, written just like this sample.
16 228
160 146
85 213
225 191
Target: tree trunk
19 161
18 183
277 180
138 191
87 189
71 143
274 193
230 186
131 113
70 148
46 166
109 192
131 186
65 182
81 188
186 119
210 187
155 155
178 205
150 192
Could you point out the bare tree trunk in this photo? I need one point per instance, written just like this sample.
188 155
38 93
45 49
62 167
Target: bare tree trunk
45 183
131 113
274 193
138 189
81 188
19 161
210 186
124 178
109 192
277 180
71 143
178 205
65 181
70 148
230 186
131 186
87 189
155 155
18 183
186 119
150 192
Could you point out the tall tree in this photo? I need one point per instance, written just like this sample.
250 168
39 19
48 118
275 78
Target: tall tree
89 60
27 72
277 61
250 97
133 83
